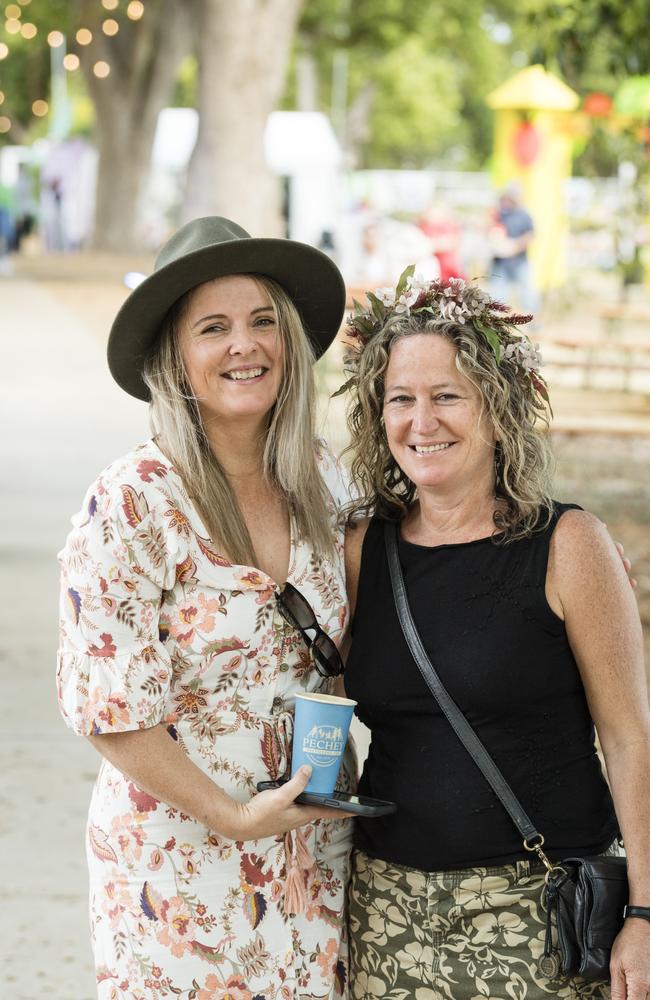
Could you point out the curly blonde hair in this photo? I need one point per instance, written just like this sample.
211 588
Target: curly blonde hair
522 456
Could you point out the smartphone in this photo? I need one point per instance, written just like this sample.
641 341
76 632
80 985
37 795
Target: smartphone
358 804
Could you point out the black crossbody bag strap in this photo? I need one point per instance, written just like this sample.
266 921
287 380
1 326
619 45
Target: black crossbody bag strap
532 838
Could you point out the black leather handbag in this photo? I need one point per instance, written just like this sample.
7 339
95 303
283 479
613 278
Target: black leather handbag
585 898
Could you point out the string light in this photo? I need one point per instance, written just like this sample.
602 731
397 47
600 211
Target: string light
40 108
135 10
29 30
55 38
110 26
13 11
71 61
4 50
5 123
2 97
13 26
110 4
23 3
84 36
101 69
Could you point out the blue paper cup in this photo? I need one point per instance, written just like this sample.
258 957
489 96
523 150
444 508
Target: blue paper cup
320 732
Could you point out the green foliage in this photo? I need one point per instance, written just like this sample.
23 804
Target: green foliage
185 89
604 37
25 72
595 45
428 65
415 113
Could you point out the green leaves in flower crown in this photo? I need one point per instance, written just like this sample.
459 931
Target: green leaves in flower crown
407 273
361 321
378 308
491 337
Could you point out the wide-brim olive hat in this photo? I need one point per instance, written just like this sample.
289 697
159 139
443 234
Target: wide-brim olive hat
214 247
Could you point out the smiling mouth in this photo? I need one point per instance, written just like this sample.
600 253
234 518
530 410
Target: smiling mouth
245 374
430 449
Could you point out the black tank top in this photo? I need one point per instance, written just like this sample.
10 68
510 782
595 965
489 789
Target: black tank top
504 656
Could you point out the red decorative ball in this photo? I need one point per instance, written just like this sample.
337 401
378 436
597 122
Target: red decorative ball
598 105
526 144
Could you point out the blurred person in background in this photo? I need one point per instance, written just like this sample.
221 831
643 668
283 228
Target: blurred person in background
175 659
439 225
511 233
25 205
7 229
524 609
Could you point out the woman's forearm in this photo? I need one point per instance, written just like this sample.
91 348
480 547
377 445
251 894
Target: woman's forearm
628 768
156 763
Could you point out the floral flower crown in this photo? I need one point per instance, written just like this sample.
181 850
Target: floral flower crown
456 301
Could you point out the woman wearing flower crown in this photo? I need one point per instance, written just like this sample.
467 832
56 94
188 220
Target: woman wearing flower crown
525 611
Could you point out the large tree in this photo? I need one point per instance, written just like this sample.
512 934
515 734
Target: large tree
144 58
243 52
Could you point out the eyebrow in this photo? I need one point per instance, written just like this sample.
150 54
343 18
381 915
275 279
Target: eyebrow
259 309
438 385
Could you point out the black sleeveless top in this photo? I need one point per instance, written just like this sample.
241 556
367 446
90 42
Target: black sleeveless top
504 657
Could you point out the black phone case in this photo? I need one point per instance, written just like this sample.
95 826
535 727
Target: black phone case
343 801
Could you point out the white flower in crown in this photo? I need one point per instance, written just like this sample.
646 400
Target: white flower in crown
386 296
406 300
525 354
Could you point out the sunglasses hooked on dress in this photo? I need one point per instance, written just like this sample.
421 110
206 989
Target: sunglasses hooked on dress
298 612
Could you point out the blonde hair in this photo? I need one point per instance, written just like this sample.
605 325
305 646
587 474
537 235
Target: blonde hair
522 456
290 449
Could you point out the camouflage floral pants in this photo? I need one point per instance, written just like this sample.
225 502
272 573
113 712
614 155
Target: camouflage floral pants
454 935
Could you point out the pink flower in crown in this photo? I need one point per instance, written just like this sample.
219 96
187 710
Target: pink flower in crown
178 928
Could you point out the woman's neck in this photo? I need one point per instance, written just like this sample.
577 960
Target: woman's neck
436 520
238 449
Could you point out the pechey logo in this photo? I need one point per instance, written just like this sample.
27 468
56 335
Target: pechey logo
323 745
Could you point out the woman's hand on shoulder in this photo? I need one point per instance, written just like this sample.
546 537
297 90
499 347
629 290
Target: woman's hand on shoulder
584 560
274 812
627 565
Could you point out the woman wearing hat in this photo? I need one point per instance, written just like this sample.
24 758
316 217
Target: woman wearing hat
176 658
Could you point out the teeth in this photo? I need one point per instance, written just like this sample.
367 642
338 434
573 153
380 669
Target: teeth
428 449
250 373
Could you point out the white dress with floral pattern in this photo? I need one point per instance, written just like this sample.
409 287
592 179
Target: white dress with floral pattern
157 626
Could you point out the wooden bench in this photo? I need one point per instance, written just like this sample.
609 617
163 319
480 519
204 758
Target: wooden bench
615 315
619 426
625 356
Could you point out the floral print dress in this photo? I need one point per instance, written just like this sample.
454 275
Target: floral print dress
157 626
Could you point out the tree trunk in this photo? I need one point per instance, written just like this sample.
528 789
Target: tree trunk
243 55
143 57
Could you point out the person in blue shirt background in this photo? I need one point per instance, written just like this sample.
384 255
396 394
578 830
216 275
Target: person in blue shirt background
511 234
